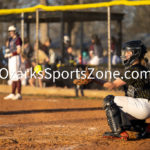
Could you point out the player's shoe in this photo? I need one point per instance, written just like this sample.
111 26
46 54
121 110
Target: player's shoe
10 96
145 133
111 135
17 97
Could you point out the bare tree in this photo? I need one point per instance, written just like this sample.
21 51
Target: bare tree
141 22
3 26
76 28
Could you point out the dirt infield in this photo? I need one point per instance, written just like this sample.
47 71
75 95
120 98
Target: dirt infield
58 122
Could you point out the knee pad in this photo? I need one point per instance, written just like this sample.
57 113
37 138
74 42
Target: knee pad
113 114
108 100
117 119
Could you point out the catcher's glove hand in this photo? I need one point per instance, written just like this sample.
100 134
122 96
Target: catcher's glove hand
83 80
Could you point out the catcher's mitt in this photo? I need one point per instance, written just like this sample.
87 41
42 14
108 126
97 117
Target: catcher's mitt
83 80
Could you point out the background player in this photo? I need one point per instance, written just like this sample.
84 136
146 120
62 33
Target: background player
14 62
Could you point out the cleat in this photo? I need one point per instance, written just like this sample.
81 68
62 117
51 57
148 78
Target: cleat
145 133
10 96
17 97
111 135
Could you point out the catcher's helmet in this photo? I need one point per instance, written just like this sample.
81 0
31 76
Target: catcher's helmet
138 50
12 28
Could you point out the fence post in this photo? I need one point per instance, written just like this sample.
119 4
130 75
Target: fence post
109 41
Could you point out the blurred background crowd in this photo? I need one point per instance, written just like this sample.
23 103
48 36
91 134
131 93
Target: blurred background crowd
94 52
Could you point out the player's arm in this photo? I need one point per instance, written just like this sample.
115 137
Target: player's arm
18 47
110 85
115 84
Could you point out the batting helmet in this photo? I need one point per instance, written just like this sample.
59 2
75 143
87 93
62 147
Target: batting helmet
138 50
12 28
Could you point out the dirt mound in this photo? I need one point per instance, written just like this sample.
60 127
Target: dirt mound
55 122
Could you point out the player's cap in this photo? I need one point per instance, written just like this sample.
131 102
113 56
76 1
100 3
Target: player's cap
12 28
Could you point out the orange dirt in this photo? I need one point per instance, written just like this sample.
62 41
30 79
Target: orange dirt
56 122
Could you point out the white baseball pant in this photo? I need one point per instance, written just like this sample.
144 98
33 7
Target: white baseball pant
139 108
14 64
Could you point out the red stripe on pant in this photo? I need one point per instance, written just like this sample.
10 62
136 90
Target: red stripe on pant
16 85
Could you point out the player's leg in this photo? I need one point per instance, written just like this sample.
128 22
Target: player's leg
18 95
11 63
14 86
138 109
82 90
40 83
31 82
114 119
76 87
19 86
18 82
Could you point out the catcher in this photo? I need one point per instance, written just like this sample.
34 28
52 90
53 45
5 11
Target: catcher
129 112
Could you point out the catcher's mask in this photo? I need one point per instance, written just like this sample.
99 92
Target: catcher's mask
138 50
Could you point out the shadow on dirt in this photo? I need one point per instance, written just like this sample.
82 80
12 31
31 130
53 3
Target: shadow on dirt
49 110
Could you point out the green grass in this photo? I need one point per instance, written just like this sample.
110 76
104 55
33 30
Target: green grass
59 97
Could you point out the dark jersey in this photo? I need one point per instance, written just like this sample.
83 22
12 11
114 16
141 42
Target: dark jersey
13 43
137 80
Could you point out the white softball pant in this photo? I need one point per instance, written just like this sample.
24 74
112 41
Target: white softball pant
139 108
14 64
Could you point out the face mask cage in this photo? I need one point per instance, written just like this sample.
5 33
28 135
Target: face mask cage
123 54
123 57
136 52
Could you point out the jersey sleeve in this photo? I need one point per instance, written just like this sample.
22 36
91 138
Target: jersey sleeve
18 41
